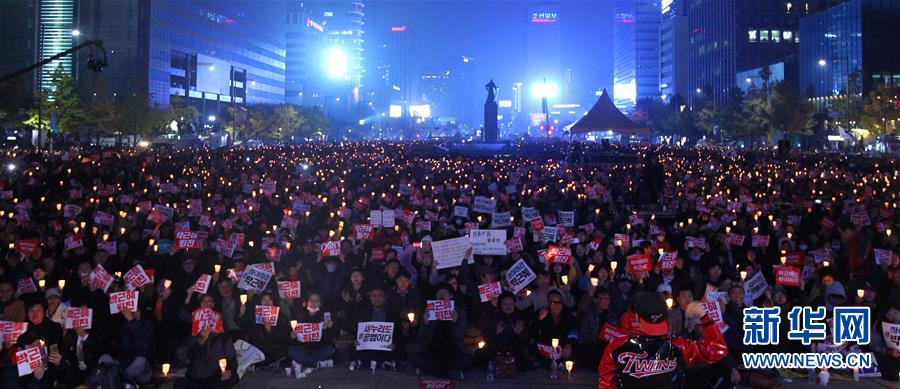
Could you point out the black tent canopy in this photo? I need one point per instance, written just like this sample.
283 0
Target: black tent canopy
605 116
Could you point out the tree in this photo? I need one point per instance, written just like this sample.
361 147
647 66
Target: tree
655 115
273 121
14 103
315 123
63 101
791 114
137 116
756 115
881 110
848 104
179 111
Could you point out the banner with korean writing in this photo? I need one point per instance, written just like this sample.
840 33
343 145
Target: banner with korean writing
79 317
363 231
288 289
450 252
489 291
667 260
519 276
206 318
754 287
514 245
891 333
638 263
787 275
484 205
488 242
331 248
556 254
714 310
73 242
374 335
99 278
308 332
883 257
27 360
440 309
760 240
11 330
256 276
267 314
549 351
188 240
120 301
27 246
136 277
202 284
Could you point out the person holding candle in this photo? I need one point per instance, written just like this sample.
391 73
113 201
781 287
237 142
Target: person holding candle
271 339
555 322
314 354
507 333
377 309
202 357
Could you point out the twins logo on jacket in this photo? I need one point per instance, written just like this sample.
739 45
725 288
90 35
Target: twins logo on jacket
639 366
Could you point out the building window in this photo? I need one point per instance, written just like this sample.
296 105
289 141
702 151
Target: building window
764 35
752 35
776 36
788 36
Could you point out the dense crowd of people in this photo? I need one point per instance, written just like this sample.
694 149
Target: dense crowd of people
198 232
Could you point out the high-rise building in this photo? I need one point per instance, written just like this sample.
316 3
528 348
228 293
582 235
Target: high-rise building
673 50
210 54
728 36
543 56
636 56
858 35
19 39
394 80
304 42
57 21
517 97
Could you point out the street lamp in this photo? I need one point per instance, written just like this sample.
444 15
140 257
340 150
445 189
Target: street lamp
822 62
76 33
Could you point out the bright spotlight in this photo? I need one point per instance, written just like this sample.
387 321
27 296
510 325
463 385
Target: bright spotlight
362 122
11 167
336 63
211 118
545 89
76 33
822 62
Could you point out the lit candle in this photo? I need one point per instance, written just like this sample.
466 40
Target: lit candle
223 363
217 267
411 316
167 283
888 232
569 366
165 369
825 263
743 275
554 342
860 293
669 302
595 281
565 280
41 283
243 298
293 324
61 283
613 265
590 268
481 344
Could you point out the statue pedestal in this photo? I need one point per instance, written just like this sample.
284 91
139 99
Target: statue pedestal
491 131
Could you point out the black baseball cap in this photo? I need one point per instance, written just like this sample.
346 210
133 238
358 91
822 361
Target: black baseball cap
652 313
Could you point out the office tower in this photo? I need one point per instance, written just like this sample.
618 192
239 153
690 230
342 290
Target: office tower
673 51
636 57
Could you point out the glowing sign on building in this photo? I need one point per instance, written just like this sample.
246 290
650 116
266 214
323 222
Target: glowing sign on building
313 24
398 28
544 17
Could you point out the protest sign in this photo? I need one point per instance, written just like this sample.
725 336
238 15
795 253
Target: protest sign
519 276
267 314
549 352
73 242
79 317
374 335
205 318
891 334
610 332
489 291
556 254
513 245
439 309
256 276
500 219
135 278
567 218
787 275
188 240
363 231
714 310
331 248
288 289
375 218
308 332
883 257
735 239
100 278
488 242
460 211
109 247
28 359
120 301
11 330
760 240
202 283
622 240
754 287
667 260
387 218
529 213
549 234
484 205
27 246
450 252
26 285
638 263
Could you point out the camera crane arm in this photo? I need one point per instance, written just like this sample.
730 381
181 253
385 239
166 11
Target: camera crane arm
97 42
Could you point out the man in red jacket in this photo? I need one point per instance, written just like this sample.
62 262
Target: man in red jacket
648 357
